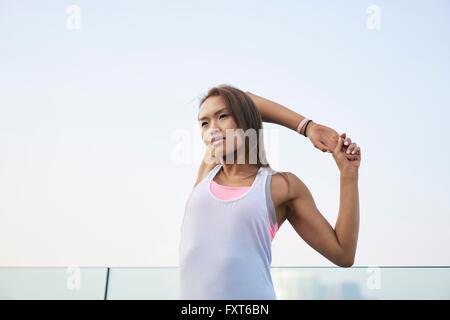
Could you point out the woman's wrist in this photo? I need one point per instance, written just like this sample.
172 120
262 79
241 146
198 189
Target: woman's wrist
304 126
301 125
308 128
349 174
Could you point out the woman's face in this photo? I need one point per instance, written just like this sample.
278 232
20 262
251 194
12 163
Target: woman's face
215 120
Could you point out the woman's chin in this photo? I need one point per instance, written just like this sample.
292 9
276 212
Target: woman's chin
221 152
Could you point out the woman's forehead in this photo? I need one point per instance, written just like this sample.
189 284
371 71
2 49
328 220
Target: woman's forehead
210 107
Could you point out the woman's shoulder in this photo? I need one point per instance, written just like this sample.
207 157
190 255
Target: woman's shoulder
276 174
286 183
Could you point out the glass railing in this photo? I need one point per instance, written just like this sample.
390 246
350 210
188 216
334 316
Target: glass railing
291 283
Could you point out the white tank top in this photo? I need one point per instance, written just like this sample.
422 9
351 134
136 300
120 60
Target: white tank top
225 245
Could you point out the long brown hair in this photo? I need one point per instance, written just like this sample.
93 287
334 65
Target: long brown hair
245 114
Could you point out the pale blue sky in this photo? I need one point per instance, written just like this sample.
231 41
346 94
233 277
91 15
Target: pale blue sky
88 117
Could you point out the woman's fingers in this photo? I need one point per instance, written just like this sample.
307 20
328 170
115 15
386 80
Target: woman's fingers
329 146
347 141
351 148
347 146
322 146
338 147
357 150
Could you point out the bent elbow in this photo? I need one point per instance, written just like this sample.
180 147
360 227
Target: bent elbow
346 262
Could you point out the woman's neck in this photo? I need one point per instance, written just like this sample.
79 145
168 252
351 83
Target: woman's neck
239 171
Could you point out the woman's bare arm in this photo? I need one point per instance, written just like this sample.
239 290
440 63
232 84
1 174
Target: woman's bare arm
322 137
339 244
276 113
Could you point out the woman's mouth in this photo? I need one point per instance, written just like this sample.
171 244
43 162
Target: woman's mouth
216 140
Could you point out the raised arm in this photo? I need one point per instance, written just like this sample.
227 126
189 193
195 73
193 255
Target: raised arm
276 113
339 244
322 137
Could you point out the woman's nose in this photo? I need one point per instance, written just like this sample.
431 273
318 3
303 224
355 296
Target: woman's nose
214 132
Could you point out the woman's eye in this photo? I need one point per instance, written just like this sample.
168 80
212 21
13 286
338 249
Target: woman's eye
222 115
203 123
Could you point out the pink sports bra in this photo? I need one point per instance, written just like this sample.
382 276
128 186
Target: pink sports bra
229 193
226 192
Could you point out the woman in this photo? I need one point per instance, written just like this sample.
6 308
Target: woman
239 202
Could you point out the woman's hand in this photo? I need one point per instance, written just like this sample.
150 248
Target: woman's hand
325 139
322 137
348 163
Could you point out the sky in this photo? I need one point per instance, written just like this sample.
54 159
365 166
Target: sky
99 145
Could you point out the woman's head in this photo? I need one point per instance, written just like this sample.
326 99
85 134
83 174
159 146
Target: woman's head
230 118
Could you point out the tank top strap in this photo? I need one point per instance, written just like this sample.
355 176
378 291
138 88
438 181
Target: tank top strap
213 173
267 173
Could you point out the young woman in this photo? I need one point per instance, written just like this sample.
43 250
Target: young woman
236 207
